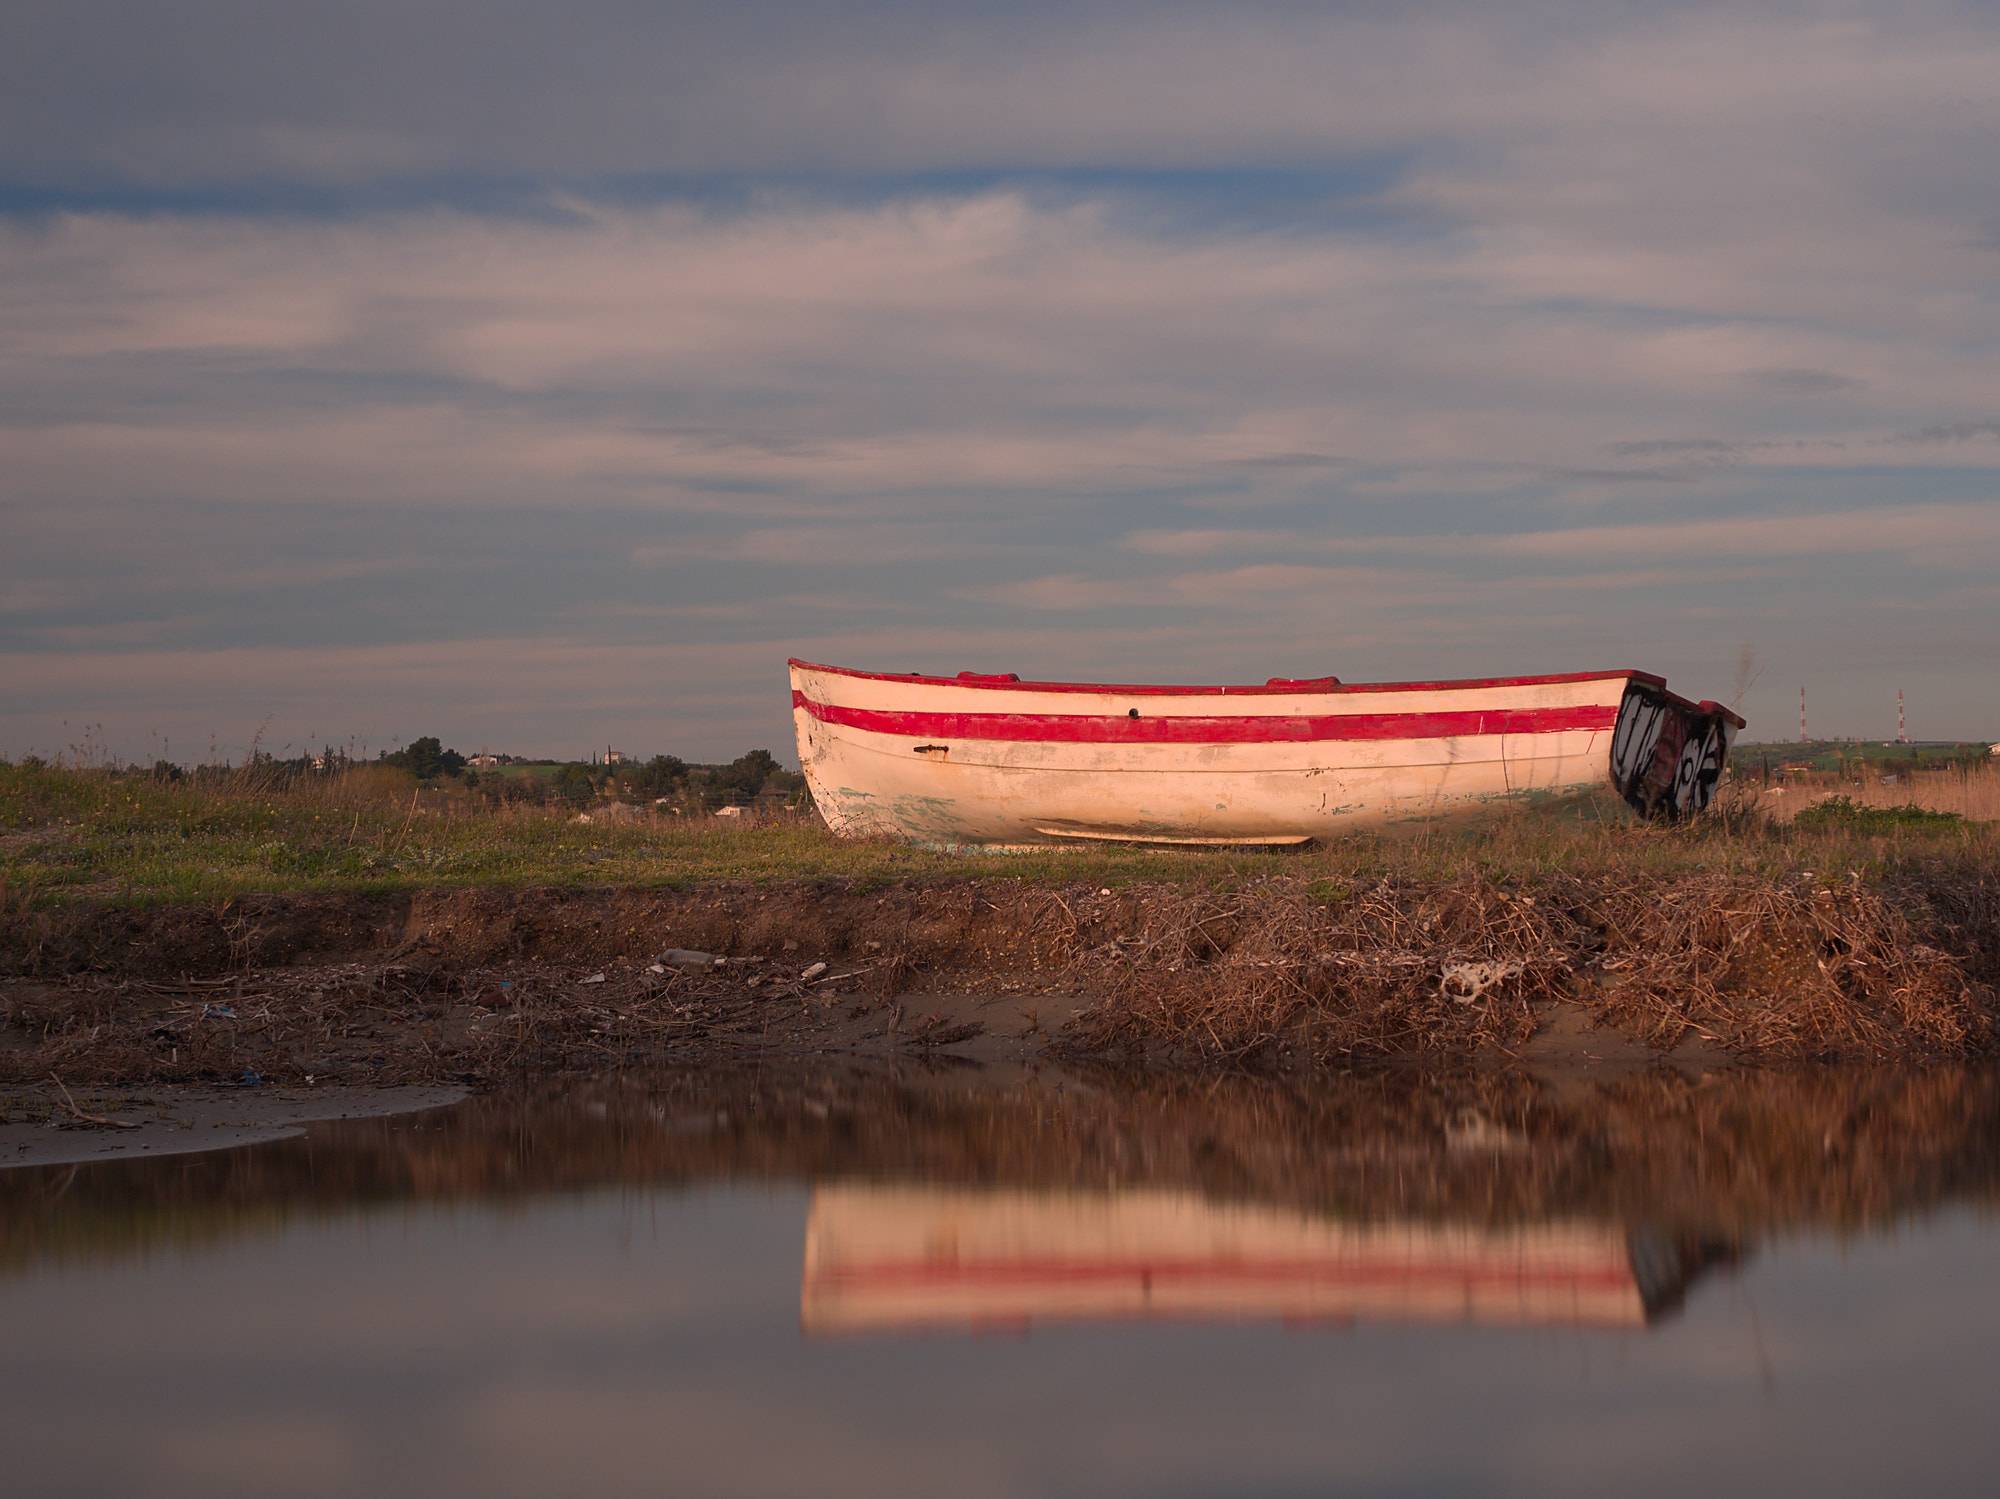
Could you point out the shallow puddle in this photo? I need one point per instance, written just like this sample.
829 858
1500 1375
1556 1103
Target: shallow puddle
830 1282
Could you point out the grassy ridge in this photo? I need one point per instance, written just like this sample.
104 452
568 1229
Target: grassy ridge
98 835
1846 929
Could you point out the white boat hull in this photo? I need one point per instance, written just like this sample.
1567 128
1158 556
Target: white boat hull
971 760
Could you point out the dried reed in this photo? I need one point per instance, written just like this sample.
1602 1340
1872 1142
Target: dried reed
1972 793
1449 968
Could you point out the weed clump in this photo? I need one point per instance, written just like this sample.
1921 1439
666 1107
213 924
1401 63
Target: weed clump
1448 969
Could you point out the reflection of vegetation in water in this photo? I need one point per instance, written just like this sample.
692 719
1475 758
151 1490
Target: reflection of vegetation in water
1696 1167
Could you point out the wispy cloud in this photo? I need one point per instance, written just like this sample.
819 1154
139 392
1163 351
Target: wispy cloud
1938 535
1692 449
1952 432
1458 330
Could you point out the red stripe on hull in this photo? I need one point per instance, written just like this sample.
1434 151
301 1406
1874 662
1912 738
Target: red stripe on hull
1077 728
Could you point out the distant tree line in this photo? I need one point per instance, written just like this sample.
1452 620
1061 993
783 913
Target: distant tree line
665 779
662 779
426 759
669 779
1859 757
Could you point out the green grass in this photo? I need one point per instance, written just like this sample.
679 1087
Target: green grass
1837 812
68 835
1859 756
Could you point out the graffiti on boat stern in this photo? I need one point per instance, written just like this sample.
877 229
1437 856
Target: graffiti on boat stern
1667 755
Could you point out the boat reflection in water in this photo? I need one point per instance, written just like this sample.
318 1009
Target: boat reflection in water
885 1257
939 1197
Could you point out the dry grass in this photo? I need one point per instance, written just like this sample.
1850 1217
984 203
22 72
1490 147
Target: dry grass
1973 794
1447 969
90 836
1859 935
1282 968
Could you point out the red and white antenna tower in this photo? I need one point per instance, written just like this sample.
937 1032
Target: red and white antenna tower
1901 737
1802 717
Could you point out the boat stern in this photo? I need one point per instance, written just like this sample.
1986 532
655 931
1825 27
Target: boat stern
1667 753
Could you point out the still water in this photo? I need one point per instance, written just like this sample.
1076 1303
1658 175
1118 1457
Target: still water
884 1283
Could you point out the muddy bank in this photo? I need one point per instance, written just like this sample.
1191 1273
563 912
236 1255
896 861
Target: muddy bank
59 1126
476 985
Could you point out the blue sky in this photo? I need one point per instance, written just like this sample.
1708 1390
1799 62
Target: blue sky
542 376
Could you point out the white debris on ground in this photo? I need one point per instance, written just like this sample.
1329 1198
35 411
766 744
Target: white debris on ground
1468 982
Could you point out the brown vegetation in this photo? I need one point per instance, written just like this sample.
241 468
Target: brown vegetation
483 984
1804 968
1856 931
1972 793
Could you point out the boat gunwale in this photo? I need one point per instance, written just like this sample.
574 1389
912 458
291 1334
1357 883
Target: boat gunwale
1293 688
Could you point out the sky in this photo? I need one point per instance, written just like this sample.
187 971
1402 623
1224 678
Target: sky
542 376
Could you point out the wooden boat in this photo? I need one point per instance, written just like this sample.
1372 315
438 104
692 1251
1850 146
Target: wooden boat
978 759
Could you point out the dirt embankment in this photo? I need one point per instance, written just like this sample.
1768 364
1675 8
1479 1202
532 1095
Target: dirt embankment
473 985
